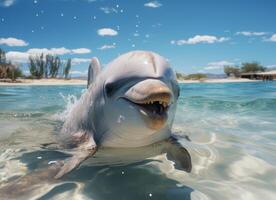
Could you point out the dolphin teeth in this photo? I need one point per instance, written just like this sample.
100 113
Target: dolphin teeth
143 112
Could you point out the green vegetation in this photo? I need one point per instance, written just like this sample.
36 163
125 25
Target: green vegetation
8 70
252 67
37 66
40 66
232 70
48 66
246 67
197 76
67 69
180 76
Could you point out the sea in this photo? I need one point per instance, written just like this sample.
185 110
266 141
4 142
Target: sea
231 131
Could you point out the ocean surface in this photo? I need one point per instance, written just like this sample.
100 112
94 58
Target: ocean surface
232 131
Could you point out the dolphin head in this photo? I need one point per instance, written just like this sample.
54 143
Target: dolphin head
139 97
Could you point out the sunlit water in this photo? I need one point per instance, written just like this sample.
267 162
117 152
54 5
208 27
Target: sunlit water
232 128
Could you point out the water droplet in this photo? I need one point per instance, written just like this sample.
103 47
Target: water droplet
121 119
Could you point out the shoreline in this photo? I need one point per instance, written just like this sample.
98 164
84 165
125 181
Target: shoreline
223 80
41 82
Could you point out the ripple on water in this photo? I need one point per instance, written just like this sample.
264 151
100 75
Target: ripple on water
231 128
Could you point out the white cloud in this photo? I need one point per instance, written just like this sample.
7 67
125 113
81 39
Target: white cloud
249 33
78 73
77 61
153 4
217 65
52 51
81 51
107 47
7 3
58 51
13 42
200 39
17 57
107 32
272 38
108 10
22 57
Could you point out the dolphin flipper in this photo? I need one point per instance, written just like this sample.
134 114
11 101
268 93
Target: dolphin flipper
178 154
93 70
84 150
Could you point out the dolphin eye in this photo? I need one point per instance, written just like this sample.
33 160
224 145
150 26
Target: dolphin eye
112 87
109 89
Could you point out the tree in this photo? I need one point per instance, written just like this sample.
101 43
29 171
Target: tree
252 67
232 70
197 76
41 66
2 56
180 76
67 68
7 69
55 66
37 66
14 72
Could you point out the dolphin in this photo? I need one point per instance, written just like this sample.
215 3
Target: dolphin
129 105
125 116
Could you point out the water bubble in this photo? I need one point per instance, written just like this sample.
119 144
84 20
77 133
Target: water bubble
121 118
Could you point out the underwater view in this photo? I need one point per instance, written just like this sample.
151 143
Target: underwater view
228 129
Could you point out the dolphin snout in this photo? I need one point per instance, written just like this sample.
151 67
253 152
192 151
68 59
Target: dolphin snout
152 98
150 91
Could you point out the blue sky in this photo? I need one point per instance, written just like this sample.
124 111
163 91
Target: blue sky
194 35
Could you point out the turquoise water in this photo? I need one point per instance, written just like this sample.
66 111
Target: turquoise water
232 128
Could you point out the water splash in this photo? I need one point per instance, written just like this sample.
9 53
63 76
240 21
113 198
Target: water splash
70 101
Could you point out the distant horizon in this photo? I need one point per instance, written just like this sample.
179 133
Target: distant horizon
195 36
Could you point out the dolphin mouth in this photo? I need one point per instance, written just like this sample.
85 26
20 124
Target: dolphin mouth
152 98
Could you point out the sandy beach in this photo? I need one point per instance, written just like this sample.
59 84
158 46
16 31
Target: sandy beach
224 80
45 82
84 82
